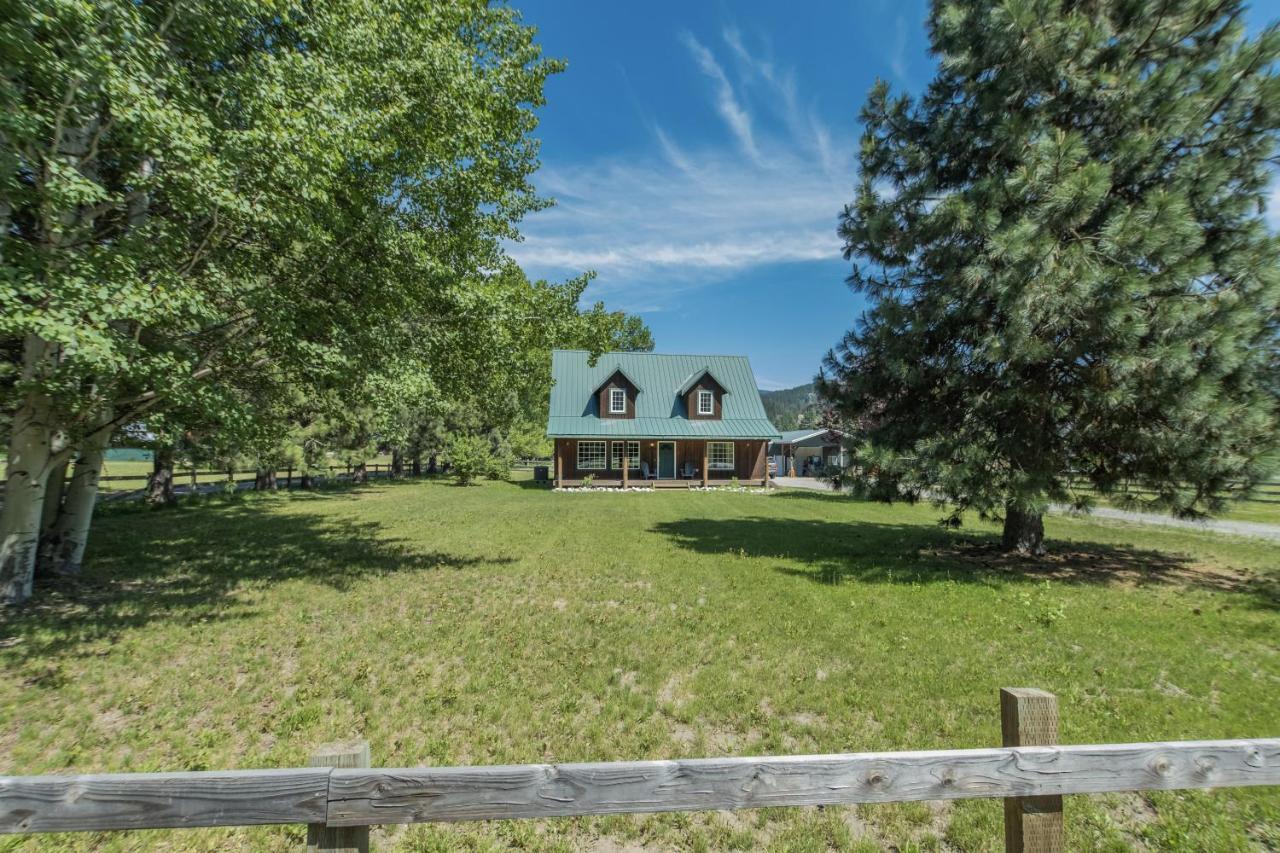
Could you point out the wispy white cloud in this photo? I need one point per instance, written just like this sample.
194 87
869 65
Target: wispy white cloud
727 104
898 53
803 125
690 214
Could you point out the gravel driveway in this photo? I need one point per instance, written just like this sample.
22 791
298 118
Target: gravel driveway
1214 525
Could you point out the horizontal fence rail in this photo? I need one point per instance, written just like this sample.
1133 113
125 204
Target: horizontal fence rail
162 800
359 797
362 797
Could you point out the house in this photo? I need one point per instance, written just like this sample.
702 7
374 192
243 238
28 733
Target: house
676 420
802 452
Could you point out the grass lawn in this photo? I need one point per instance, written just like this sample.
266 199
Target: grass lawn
505 623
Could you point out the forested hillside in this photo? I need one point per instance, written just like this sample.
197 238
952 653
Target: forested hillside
792 408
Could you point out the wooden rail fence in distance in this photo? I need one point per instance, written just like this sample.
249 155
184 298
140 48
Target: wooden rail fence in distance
344 794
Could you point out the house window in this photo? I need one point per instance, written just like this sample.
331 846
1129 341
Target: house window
706 403
633 455
617 401
591 455
720 455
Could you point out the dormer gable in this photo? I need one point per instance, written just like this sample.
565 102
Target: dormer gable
703 396
616 396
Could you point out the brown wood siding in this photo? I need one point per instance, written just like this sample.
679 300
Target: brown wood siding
749 459
617 380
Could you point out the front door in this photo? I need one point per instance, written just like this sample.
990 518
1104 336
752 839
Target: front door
666 460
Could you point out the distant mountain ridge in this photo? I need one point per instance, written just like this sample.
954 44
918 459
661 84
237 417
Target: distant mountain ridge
792 408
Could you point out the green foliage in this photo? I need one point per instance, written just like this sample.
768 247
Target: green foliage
275 226
500 461
179 199
470 456
488 370
530 441
1071 279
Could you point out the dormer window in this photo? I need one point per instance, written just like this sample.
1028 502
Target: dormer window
706 403
617 401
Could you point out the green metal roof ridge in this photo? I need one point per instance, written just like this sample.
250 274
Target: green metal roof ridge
616 369
698 374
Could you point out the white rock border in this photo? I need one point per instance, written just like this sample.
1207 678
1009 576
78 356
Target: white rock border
614 489
754 490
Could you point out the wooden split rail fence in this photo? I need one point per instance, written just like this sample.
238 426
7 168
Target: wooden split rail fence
340 796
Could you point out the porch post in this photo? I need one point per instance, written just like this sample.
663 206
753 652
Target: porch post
704 464
626 463
559 464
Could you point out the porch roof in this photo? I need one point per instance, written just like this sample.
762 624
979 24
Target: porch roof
667 428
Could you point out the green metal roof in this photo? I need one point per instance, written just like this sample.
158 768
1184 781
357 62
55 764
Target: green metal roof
698 374
804 436
660 409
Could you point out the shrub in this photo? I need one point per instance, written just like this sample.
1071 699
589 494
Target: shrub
499 465
469 455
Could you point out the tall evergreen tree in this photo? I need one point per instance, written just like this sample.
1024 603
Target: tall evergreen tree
1071 282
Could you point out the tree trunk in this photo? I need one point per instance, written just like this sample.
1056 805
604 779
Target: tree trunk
54 490
431 464
417 464
360 473
29 461
1023 532
160 483
66 542
264 480
397 463
306 482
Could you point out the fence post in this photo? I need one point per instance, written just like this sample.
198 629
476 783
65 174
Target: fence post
1029 717
322 838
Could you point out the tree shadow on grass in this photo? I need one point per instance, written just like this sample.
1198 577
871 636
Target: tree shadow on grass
202 561
831 552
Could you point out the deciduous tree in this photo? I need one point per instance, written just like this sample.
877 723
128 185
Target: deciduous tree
191 195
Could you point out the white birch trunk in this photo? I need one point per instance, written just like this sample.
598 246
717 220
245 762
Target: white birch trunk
65 544
30 455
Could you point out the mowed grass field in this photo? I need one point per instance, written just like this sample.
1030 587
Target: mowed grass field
505 623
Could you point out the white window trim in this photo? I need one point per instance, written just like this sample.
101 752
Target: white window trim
722 465
616 409
593 466
634 459
710 399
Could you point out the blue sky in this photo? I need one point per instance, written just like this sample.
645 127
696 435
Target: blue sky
699 154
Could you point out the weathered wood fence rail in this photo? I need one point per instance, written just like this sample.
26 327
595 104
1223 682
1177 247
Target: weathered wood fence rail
341 795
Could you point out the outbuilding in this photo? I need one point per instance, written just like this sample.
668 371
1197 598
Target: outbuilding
804 452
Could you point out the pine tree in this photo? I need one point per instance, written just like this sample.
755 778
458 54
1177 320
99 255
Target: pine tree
1072 287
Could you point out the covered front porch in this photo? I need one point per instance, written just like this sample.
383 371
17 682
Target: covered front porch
659 462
